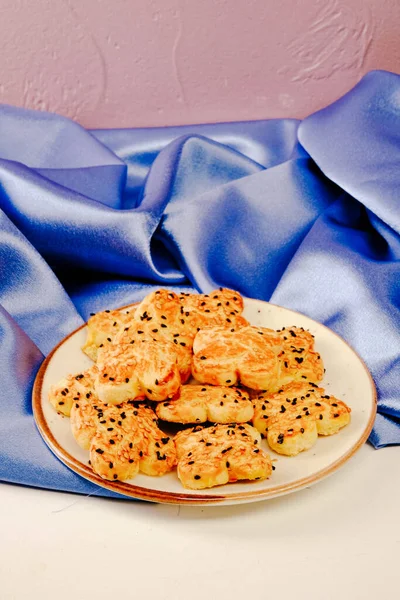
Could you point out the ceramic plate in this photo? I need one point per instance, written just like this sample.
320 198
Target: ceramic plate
346 377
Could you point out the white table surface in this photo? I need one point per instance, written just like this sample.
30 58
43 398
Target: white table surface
339 539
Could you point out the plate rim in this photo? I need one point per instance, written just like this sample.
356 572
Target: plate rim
164 497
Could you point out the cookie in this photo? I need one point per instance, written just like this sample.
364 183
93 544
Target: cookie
258 358
182 316
151 331
220 454
141 369
198 404
225 357
70 389
122 440
292 418
298 359
330 413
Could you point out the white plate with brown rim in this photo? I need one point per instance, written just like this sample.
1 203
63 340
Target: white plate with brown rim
346 377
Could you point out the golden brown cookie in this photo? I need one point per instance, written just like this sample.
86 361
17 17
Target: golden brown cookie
141 369
330 413
198 404
182 316
222 307
70 389
151 331
225 357
122 440
258 358
298 359
115 455
292 418
220 454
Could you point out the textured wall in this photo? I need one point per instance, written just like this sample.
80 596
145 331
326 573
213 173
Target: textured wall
123 63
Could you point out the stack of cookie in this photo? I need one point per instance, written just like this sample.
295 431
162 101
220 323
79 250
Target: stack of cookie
143 360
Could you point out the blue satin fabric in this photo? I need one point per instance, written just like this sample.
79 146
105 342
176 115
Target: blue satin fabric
305 214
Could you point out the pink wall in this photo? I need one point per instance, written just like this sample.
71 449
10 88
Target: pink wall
121 63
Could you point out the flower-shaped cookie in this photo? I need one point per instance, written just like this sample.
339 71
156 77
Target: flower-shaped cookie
220 454
261 359
122 440
292 418
150 331
198 404
70 389
182 316
140 369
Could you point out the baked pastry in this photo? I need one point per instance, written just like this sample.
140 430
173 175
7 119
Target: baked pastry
149 330
122 440
102 328
181 316
258 358
292 418
198 404
70 389
298 359
220 454
225 357
140 369
115 449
